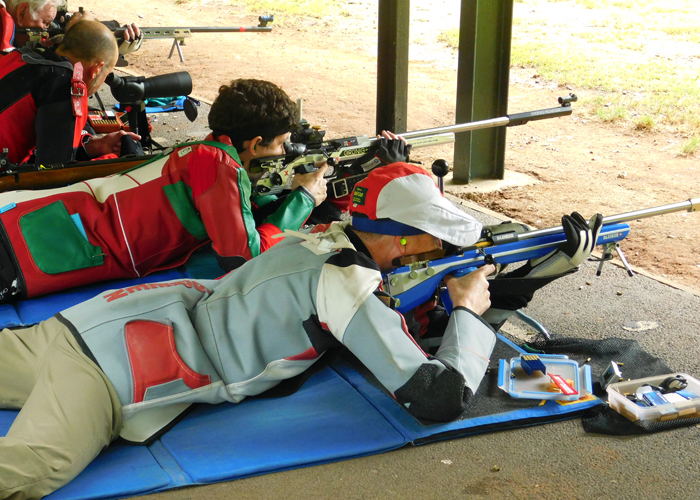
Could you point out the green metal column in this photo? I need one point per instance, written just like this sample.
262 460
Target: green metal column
482 87
392 65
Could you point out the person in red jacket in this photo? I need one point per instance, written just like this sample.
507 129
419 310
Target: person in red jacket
43 97
154 216
23 14
41 14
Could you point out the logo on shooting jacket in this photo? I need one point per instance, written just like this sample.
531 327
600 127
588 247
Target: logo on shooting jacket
123 292
359 195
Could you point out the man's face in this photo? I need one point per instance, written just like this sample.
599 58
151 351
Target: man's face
43 16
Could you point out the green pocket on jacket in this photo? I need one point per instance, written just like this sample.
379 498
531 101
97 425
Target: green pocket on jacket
54 241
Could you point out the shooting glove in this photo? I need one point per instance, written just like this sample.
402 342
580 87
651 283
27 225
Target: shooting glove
581 237
386 152
127 47
514 290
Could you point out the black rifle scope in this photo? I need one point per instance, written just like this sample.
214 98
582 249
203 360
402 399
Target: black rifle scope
133 89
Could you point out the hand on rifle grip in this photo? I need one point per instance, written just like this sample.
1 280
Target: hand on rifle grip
108 144
472 290
313 182
392 148
131 32
462 272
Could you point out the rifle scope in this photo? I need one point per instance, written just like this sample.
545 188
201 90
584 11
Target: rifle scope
132 89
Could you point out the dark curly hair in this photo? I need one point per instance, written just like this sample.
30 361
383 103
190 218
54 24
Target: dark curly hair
247 108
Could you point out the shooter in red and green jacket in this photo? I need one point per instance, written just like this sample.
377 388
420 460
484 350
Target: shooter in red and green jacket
154 216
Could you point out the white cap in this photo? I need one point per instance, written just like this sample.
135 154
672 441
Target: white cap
402 199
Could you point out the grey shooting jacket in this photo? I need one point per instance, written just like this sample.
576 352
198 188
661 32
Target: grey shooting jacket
164 346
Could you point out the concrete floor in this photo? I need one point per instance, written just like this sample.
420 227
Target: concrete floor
552 461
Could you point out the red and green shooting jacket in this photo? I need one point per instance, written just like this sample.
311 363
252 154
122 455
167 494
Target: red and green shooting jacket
144 220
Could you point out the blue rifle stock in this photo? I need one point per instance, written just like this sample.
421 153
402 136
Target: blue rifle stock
416 283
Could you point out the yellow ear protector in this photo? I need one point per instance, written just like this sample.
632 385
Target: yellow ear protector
403 241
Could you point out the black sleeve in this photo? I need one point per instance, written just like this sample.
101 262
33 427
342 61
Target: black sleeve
55 122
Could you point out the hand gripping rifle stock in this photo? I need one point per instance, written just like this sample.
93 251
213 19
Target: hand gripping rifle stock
415 283
340 153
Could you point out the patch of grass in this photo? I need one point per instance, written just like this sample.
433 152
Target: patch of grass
695 123
690 33
449 37
597 36
611 114
589 4
307 8
632 45
645 123
619 48
690 147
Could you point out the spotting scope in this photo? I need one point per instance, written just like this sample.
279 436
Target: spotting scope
133 89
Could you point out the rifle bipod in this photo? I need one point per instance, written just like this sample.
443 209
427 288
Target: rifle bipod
608 255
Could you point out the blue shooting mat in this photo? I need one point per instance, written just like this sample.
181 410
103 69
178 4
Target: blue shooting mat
119 471
224 442
346 415
258 436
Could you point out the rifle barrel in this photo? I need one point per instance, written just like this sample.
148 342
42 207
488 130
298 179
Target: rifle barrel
173 32
690 205
503 121
463 127
228 29
151 32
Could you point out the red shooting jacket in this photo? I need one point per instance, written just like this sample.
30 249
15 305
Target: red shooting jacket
144 220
